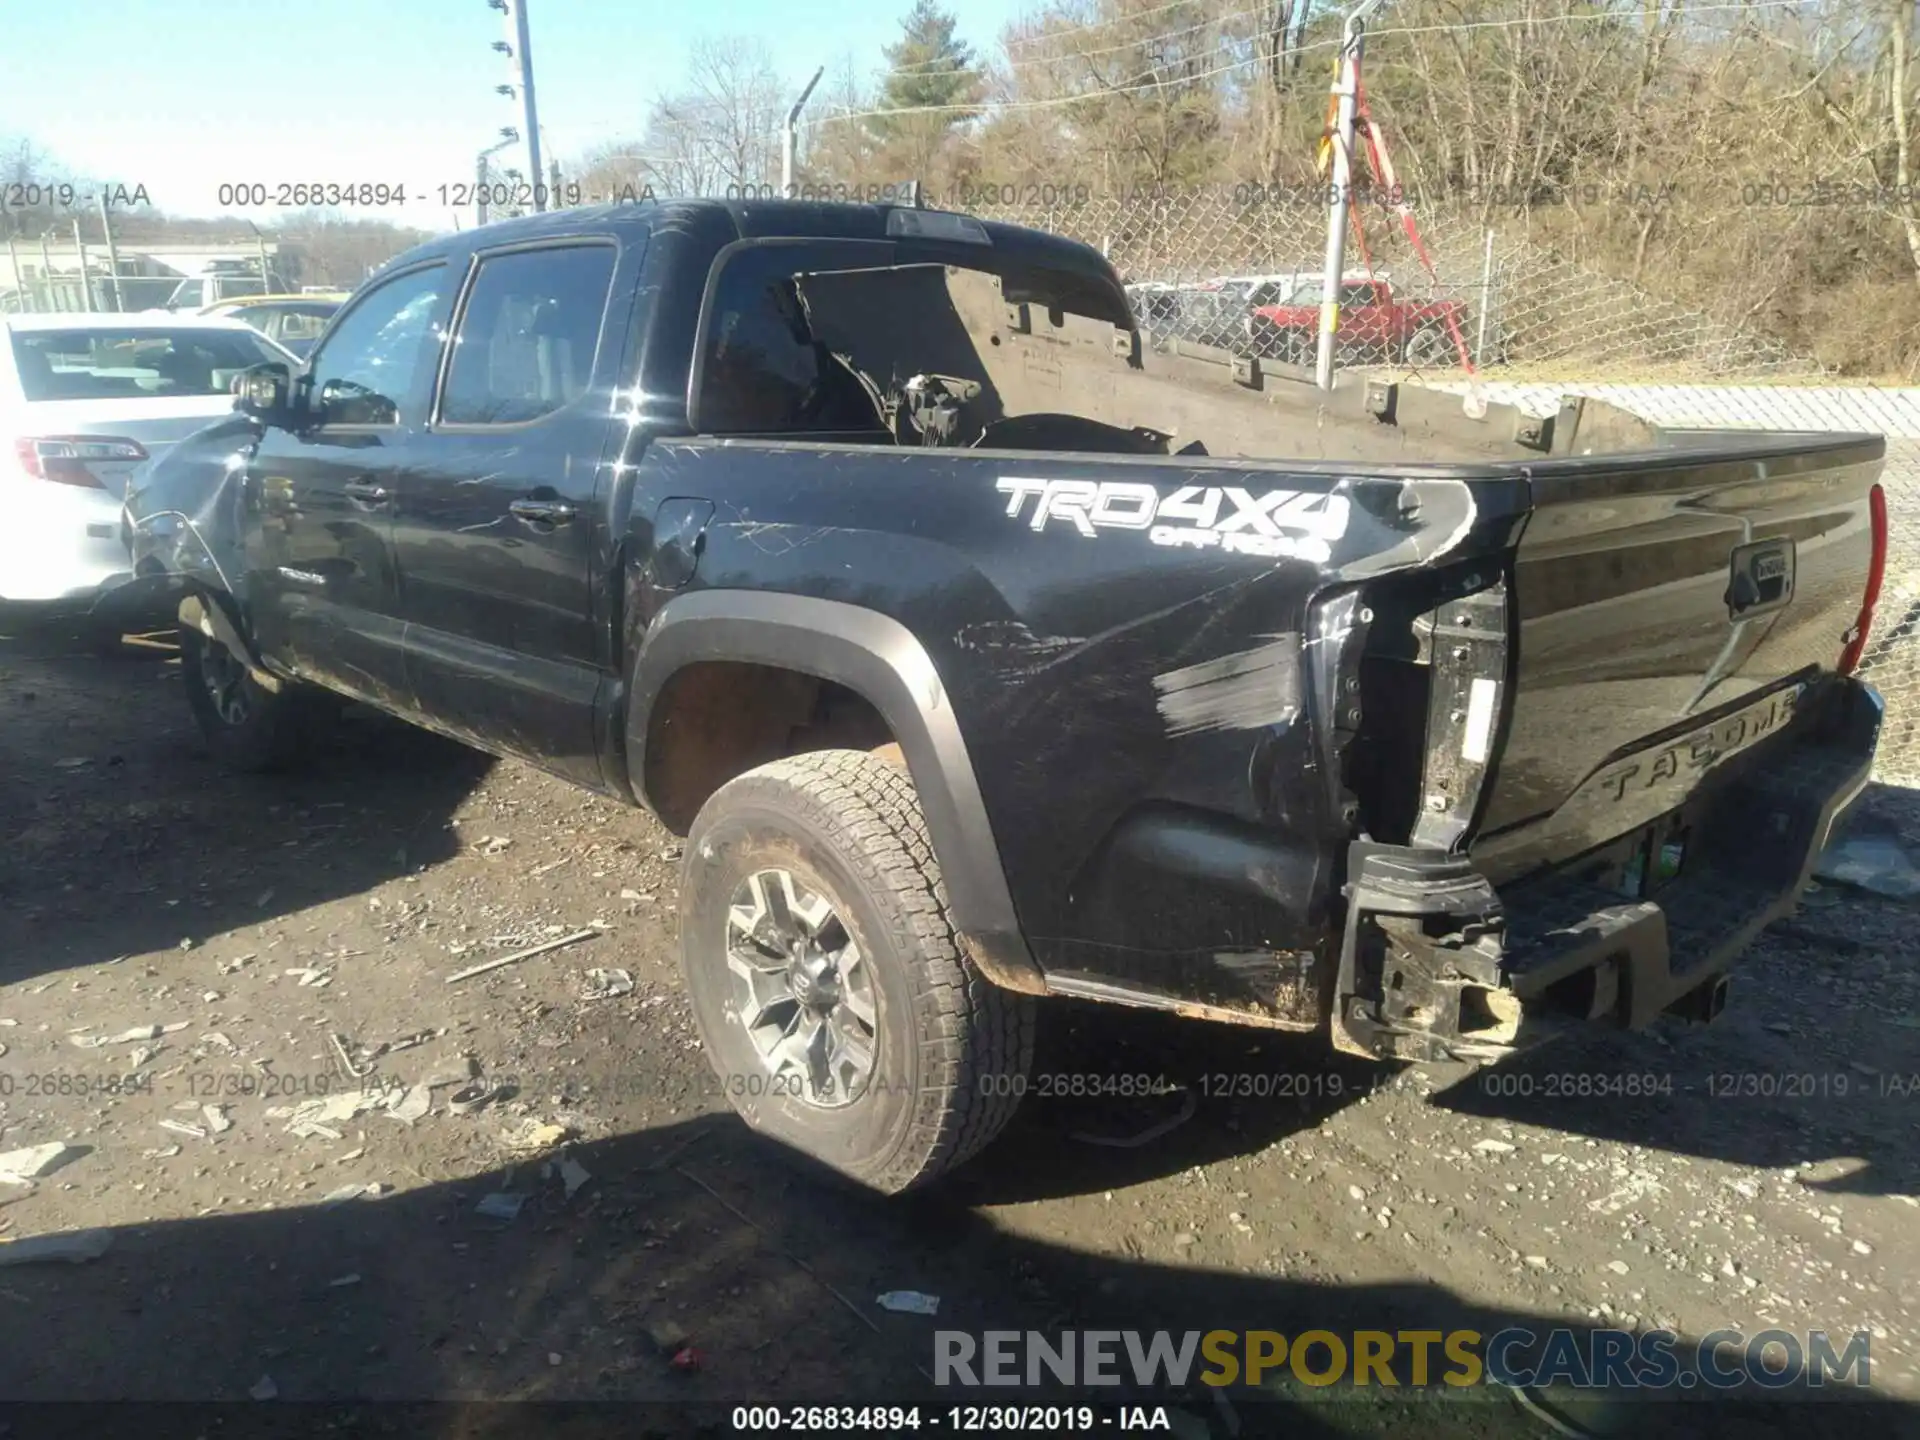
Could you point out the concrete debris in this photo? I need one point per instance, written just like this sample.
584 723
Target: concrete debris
909 1302
313 1130
500 1206
349 1104
370 1191
607 984
413 1105
75 1247
23 1166
264 1389
573 1175
166 1153
143 1055
532 1136
1618 1267
1877 864
311 978
343 1282
217 1121
1494 1147
181 1127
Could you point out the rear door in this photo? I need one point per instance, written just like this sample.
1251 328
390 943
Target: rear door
496 530
320 560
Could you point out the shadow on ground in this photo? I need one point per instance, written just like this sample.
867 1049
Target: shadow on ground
709 1239
120 836
1814 1060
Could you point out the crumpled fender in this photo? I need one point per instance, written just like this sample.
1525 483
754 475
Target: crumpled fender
183 512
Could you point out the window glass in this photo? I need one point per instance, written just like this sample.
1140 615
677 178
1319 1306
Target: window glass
765 371
528 335
365 371
106 363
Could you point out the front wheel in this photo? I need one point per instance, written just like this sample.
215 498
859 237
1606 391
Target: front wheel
835 1002
247 726
1430 345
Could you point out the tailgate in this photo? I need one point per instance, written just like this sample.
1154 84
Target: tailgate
1666 606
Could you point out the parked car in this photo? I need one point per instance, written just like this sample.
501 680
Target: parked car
84 399
291 321
1208 313
982 655
1376 328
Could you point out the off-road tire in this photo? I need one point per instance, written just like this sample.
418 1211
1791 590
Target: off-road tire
273 727
951 1050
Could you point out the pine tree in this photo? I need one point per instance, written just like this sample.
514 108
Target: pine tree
928 66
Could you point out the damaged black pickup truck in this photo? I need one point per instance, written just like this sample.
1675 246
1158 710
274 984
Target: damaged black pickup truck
983 655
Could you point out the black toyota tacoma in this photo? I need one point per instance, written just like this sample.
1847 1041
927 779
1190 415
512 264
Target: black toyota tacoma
981 655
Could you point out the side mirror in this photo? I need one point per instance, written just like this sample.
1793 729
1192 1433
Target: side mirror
263 392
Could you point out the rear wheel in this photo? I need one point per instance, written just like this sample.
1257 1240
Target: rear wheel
832 994
247 726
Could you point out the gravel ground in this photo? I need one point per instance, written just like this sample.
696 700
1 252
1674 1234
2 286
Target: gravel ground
198 967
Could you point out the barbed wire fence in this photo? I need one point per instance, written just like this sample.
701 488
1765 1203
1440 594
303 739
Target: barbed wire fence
1532 324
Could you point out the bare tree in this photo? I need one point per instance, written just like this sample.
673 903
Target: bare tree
723 130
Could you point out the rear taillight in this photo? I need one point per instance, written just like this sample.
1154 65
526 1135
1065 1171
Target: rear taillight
1856 638
63 459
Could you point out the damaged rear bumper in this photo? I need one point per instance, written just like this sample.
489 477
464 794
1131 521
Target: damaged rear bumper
1436 966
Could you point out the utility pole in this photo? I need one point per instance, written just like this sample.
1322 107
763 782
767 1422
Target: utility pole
1346 89
791 139
520 49
113 254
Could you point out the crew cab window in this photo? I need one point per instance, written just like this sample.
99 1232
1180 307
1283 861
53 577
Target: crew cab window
527 336
765 371
366 368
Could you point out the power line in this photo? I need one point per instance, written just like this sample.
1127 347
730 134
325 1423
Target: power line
1054 101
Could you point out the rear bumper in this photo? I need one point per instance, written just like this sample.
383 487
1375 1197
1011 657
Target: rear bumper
60 547
1434 965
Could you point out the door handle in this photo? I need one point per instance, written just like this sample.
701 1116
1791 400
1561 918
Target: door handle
367 492
541 512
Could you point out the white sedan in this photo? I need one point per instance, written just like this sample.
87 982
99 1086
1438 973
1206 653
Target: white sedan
84 399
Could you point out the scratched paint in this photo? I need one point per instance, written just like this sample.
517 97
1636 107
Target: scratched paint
1242 691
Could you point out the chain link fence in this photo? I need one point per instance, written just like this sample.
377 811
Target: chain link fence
1240 269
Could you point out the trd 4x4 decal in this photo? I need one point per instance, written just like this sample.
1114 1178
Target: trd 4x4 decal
1281 524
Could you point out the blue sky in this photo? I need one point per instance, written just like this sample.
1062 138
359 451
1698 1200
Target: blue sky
182 95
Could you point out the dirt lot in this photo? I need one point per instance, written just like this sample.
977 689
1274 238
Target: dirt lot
293 938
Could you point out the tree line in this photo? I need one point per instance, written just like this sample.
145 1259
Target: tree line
1753 158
